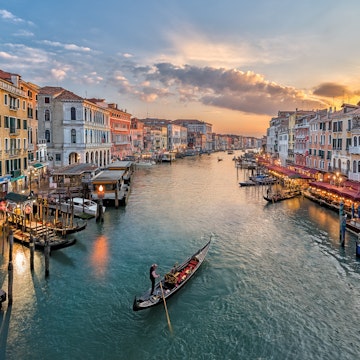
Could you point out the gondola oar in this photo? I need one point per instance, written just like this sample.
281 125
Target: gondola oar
166 310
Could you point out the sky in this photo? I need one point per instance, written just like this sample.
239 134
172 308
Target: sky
231 63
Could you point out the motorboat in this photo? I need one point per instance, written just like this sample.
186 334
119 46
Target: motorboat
80 206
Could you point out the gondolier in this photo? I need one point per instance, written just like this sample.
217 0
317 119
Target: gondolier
153 276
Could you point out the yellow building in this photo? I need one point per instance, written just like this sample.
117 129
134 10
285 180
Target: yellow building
13 133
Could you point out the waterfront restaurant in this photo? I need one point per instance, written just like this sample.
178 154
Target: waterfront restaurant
348 193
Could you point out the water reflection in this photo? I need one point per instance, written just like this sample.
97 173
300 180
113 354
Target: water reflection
20 262
100 256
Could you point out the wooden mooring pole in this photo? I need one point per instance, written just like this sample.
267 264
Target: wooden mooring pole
32 251
47 256
10 268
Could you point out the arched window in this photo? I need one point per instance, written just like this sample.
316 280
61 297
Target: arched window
354 166
73 113
73 136
47 135
355 141
47 115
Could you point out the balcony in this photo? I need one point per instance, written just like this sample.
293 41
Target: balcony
14 131
354 149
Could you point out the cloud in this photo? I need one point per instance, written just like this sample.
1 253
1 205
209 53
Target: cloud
71 47
330 90
58 74
8 16
227 88
6 56
24 33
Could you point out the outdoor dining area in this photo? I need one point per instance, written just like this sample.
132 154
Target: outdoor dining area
348 193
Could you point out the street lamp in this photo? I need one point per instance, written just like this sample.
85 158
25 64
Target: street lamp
99 212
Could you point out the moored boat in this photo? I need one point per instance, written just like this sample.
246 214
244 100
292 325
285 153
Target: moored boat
173 281
280 196
79 205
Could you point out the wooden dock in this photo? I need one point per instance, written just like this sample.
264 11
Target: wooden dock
40 233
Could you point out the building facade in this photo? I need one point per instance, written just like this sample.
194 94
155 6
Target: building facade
75 130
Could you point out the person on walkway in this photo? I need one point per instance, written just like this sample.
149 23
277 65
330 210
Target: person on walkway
153 276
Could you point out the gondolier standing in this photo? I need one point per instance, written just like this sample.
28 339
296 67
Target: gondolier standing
153 276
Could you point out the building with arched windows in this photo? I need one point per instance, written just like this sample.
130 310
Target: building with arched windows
75 129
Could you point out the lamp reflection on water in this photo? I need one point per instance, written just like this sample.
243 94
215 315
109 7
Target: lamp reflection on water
21 264
100 255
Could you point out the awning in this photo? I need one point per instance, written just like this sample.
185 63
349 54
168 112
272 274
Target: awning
18 198
17 178
38 165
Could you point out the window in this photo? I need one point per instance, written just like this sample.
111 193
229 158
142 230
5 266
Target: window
47 135
355 141
47 115
57 157
6 122
73 136
5 99
339 144
348 143
18 123
73 113
12 125
24 124
47 100
340 126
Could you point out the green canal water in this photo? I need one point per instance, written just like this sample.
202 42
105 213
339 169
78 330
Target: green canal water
276 283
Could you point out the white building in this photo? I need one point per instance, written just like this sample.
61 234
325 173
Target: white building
76 130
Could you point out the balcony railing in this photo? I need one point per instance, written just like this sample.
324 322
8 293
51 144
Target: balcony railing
354 149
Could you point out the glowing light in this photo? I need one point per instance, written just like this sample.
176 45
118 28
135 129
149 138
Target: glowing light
100 256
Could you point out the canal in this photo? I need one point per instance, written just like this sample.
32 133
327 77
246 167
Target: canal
276 283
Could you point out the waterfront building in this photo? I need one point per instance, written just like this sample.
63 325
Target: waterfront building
75 130
177 138
120 121
276 123
320 141
137 136
283 136
196 141
198 127
354 145
14 104
291 139
155 134
341 138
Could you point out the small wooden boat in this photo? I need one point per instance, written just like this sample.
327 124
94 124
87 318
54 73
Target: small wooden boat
61 229
277 197
172 281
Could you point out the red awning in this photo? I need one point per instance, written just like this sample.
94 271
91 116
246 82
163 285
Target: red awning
342 191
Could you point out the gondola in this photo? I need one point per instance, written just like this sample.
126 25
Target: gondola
281 197
172 281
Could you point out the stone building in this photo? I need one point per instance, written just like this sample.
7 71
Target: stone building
75 130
